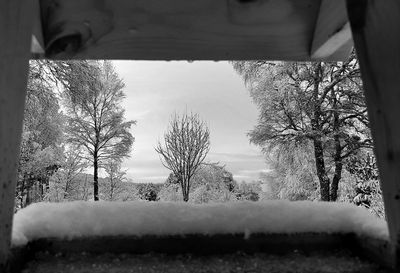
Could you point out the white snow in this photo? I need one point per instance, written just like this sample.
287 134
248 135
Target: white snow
80 219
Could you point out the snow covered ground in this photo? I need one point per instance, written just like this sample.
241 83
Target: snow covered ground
81 219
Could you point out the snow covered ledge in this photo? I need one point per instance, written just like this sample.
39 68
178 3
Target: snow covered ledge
90 219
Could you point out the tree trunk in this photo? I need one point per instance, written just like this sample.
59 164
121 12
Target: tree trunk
185 192
335 180
338 152
321 170
22 191
338 164
28 197
318 147
41 189
47 183
95 177
66 189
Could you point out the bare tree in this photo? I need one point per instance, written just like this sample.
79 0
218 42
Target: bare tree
186 145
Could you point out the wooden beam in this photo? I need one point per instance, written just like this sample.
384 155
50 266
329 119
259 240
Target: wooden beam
179 29
37 44
332 36
15 41
273 243
376 32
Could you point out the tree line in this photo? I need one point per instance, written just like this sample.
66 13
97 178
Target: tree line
73 120
313 126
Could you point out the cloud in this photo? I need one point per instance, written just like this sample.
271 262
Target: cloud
155 90
253 172
152 179
236 157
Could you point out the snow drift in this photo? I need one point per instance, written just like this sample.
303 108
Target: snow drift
82 219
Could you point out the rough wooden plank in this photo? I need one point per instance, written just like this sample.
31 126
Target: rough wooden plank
15 33
37 44
179 29
332 37
376 250
199 243
376 32
218 244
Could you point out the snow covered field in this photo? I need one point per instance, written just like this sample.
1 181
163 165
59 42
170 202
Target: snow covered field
82 219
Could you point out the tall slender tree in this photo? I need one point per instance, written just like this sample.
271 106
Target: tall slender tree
93 96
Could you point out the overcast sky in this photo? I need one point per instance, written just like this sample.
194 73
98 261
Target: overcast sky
155 90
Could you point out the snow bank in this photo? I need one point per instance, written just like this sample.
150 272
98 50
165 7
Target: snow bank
79 219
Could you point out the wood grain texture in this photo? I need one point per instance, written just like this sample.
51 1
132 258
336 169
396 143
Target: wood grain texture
376 33
15 33
179 29
37 44
273 243
376 250
332 36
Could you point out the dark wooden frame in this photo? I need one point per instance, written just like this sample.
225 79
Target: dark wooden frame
15 42
375 25
376 32
306 243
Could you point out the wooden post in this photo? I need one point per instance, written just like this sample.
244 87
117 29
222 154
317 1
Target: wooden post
332 35
15 41
376 32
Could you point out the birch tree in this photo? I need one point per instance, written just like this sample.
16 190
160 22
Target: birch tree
96 121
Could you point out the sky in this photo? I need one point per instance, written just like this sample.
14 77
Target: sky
155 90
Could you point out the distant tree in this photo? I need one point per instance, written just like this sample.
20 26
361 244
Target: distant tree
65 183
170 192
129 191
186 145
148 191
214 174
318 104
113 186
249 191
213 183
93 96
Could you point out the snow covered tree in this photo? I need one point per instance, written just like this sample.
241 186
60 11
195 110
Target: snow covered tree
93 96
186 145
41 150
366 186
248 191
148 191
170 192
65 183
210 183
318 104
214 174
113 185
213 183
293 176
